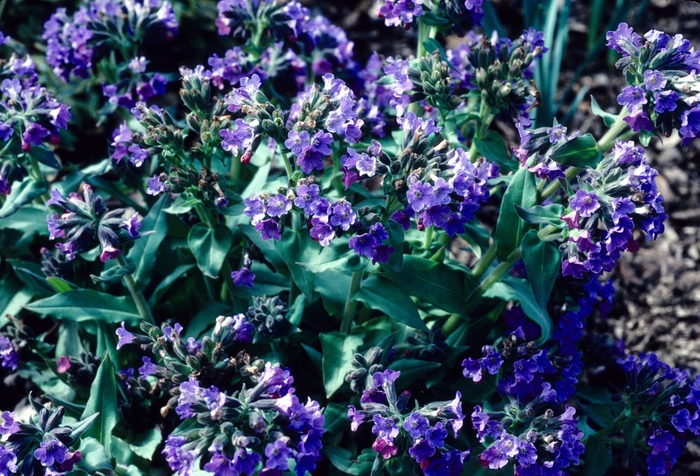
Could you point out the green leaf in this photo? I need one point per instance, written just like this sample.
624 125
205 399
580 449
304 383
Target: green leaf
44 156
542 215
114 274
87 305
542 262
431 281
597 457
210 247
296 247
206 318
335 256
146 443
581 151
181 205
144 252
396 236
517 289
167 282
338 351
21 194
343 460
103 400
608 119
412 370
493 148
383 295
94 456
510 229
28 219
58 284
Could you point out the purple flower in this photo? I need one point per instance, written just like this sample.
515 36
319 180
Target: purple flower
681 420
297 141
179 459
239 138
278 205
420 195
33 135
8 425
633 97
639 121
269 229
321 143
585 203
307 196
8 461
310 160
133 225
50 451
624 40
364 245
342 215
8 353
665 101
278 455
148 367
243 277
472 369
416 425
5 131
321 230
125 337
496 456
155 186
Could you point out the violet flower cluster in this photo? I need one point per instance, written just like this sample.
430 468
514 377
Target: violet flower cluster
29 115
661 72
614 199
77 43
404 13
265 426
236 427
665 402
523 368
86 222
286 37
44 447
423 431
538 438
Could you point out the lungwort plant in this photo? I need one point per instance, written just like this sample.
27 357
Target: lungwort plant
263 256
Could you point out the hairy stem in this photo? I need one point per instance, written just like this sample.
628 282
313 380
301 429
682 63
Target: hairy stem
136 295
350 303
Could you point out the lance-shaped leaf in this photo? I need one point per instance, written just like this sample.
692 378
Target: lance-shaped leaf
510 229
87 305
103 401
21 194
493 148
338 351
542 215
144 252
385 296
542 262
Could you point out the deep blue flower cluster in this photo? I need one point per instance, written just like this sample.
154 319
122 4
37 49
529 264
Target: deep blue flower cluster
423 430
666 402
524 368
614 199
662 91
536 438
77 44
